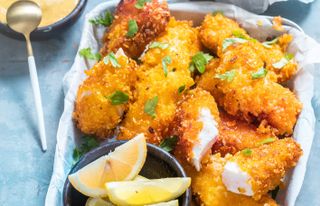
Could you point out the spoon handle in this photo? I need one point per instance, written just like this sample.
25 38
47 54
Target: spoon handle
37 99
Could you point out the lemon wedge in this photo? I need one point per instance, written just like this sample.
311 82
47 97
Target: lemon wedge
170 203
145 192
98 202
124 163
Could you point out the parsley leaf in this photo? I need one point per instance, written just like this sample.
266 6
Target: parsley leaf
87 53
246 151
132 28
283 61
118 97
166 60
268 44
150 106
160 45
262 72
239 34
181 89
267 140
111 57
229 75
105 20
140 3
88 144
199 61
169 143
229 41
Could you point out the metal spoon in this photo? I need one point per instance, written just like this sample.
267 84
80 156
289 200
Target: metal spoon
24 17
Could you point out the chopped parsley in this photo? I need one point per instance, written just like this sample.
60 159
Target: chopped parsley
283 61
267 140
181 89
150 106
88 144
268 44
169 143
239 34
165 61
132 28
87 53
111 57
229 41
229 75
262 72
105 20
118 97
140 3
199 62
160 45
246 151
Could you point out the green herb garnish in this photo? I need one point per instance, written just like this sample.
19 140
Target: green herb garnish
283 61
267 140
262 72
169 143
181 89
105 20
132 28
229 41
87 53
239 34
165 61
217 12
118 97
268 44
160 45
229 75
111 57
150 106
88 144
246 151
199 61
140 3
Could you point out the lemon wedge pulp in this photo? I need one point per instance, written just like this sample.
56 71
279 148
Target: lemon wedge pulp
124 163
145 192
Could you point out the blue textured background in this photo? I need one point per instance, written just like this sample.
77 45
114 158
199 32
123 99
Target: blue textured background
25 171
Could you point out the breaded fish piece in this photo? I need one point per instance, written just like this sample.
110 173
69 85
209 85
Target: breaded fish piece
161 80
254 172
221 34
236 135
209 190
151 20
196 126
181 43
94 112
230 80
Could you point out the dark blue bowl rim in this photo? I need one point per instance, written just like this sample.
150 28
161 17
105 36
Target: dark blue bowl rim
152 150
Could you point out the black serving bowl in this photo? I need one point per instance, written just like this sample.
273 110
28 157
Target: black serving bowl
50 30
159 164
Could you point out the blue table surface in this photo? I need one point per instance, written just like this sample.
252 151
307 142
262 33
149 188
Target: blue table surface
25 170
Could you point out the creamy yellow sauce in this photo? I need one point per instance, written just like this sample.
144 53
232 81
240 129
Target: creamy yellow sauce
52 10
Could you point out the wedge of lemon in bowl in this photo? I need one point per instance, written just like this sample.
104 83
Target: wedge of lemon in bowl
144 192
102 202
124 163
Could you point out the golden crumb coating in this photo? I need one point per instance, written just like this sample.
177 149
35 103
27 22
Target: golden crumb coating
236 135
94 113
181 42
268 164
253 99
209 190
188 125
151 20
161 79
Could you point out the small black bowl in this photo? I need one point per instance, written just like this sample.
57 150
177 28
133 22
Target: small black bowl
159 164
50 30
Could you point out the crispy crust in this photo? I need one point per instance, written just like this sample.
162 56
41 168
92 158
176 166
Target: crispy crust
152 20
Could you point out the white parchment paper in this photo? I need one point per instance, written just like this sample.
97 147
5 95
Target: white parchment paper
306 51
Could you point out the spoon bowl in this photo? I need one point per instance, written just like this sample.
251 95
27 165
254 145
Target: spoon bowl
24 16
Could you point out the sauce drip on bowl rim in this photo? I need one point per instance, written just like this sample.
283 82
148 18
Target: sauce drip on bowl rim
52 10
